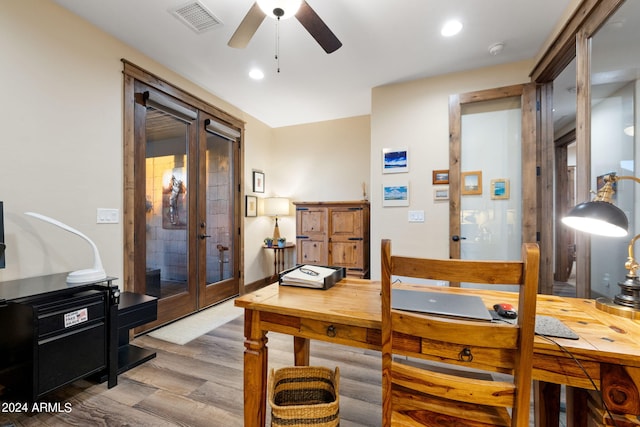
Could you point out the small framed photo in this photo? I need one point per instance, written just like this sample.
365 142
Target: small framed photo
441 193
600 181
471 183
258 182
250 206
500 188
440 177
395 195
395 160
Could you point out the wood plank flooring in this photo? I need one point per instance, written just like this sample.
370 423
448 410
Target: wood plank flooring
200 384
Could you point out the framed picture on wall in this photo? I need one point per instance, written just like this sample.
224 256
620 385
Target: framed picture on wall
441 193
471 182
174 199
258 182
500 188
395 195
440 177
395 160
250 206
600 183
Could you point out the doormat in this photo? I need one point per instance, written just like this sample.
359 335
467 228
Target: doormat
191 327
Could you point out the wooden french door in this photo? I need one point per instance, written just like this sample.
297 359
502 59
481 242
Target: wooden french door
186 204
492 172
218 212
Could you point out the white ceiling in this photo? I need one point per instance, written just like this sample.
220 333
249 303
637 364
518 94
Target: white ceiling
384 42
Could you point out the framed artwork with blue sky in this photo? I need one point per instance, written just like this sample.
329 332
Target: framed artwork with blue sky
395 160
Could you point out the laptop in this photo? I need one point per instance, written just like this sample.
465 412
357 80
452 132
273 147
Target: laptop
469 307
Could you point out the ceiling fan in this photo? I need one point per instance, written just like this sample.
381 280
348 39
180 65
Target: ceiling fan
283 9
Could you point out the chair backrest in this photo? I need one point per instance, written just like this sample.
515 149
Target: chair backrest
414 395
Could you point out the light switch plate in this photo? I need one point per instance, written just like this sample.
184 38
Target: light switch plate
416 216
108 216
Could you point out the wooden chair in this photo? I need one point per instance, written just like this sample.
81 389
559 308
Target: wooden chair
423 394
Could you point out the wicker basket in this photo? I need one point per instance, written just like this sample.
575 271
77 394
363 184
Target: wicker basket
304 396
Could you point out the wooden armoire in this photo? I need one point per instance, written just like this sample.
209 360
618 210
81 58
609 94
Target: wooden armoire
334 234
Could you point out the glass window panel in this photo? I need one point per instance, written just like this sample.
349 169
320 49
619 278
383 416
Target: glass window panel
166 204
219 193
615 60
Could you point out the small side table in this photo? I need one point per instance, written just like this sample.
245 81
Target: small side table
279 256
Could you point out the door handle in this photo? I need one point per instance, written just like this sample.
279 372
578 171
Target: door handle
203 236
455 238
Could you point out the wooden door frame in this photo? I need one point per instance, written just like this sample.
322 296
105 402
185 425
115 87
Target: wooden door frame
134 269
527 94
562 188
227 287
572 42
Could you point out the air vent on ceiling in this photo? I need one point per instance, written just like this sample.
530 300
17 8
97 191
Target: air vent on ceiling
196 16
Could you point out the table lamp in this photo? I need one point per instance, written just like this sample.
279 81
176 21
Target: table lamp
274 206
95 273
600 216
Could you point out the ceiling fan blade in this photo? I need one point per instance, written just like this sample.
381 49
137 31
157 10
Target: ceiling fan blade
247 28
317 28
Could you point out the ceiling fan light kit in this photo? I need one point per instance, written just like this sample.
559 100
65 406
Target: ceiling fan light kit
283 9
279 9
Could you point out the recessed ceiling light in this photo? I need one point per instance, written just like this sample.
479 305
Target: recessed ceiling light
256 74
451 28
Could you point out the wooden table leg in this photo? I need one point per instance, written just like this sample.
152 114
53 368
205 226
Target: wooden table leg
546 404
576 407
301 351
255 370
275 262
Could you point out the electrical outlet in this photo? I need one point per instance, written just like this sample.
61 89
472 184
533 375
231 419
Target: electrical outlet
108 216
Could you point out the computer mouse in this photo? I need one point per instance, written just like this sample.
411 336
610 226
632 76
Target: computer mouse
505 310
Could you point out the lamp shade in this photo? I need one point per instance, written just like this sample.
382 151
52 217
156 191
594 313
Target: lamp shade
597 217
276 206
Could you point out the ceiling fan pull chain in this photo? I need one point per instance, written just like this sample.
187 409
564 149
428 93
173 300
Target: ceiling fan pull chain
278 44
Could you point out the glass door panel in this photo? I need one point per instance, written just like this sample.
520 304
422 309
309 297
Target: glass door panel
491 181
166 204
615 72
220 277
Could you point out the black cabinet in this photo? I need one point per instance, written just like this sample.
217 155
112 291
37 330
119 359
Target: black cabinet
134 310
55 333
70 341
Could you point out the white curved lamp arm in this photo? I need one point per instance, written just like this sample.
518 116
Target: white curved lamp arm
80 276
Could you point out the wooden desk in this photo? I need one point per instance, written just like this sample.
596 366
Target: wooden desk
349 313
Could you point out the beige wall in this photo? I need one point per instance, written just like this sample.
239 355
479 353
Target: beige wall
61 150
320 161
61 145
415 115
